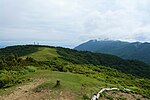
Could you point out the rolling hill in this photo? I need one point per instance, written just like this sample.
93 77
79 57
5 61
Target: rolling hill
82 73
135 50
46 53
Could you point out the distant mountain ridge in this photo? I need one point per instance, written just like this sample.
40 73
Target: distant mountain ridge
135 50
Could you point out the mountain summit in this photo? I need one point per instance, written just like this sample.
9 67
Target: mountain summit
127 50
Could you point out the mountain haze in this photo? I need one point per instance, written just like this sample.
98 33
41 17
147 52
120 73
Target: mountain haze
135 50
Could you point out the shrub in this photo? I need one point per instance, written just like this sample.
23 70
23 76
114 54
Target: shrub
31 68
8 78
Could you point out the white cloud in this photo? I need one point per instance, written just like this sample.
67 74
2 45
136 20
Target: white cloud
74 20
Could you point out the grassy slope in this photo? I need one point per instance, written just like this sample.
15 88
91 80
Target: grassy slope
79 86
133 67
75 82
43 54
68 55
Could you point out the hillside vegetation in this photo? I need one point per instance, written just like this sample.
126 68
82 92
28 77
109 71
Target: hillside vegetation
136 50
46 53
83 73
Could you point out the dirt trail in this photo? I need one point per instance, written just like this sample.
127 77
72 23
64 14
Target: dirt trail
23 92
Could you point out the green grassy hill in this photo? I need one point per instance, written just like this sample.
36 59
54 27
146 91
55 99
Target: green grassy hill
81 73
43 54
46 53
73 87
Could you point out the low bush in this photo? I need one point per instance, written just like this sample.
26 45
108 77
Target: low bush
8 78
31 68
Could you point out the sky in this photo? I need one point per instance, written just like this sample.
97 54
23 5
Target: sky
68 23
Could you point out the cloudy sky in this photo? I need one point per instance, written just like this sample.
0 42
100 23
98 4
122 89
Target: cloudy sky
71 22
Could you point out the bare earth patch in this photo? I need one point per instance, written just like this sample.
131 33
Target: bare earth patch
123 96
62 95
24 93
